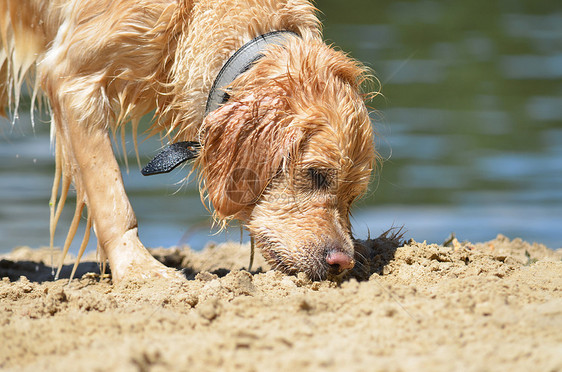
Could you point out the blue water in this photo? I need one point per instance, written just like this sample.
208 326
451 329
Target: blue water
470 126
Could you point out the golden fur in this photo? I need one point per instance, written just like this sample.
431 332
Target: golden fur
287 154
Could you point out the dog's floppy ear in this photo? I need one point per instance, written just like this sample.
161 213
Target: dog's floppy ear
245 143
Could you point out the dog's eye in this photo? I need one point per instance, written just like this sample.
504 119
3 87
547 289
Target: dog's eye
320 178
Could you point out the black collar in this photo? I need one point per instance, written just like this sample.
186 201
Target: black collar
240 62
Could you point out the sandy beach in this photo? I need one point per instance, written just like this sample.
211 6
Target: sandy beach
410 306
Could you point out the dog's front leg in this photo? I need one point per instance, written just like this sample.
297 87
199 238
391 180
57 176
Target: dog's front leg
98 178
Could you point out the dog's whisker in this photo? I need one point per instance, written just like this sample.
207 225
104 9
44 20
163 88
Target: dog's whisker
361 255
318 265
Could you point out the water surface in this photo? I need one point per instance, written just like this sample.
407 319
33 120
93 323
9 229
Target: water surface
469 125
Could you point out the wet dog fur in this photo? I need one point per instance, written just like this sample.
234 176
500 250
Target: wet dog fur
287 154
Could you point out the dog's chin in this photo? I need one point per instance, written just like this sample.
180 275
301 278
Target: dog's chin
309 260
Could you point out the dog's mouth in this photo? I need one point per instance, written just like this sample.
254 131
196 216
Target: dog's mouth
315 261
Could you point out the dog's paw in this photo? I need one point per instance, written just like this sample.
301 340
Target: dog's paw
130 260
146 270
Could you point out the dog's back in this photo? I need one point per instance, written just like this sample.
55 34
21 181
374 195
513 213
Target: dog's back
142 55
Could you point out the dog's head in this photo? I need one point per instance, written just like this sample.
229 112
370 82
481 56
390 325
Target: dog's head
289 153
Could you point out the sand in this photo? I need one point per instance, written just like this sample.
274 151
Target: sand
494 306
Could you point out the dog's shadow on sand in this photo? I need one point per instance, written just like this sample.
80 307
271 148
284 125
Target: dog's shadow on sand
371 256
39 272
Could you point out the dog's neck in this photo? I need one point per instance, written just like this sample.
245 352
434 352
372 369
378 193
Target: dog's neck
241 61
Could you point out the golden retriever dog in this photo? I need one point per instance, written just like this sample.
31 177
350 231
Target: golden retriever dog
274 118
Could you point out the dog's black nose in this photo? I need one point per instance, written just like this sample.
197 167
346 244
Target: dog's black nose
339 261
